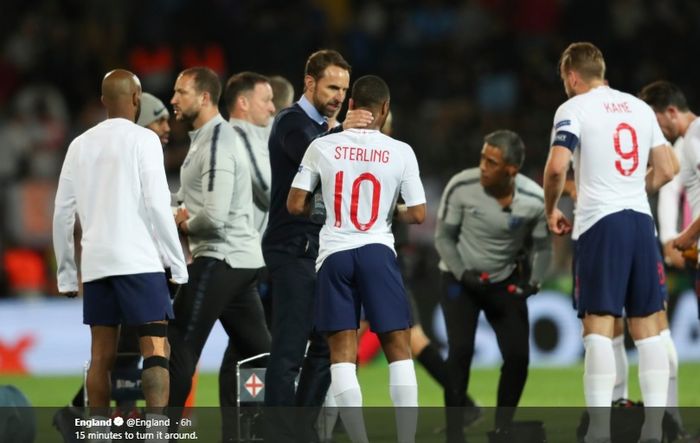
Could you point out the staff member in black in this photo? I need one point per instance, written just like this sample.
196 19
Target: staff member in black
489 217
290 243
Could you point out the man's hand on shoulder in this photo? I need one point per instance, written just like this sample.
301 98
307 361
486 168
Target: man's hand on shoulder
357 118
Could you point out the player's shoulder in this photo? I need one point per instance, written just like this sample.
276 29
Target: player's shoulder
395 143
693 131
328 140
529 188
466 177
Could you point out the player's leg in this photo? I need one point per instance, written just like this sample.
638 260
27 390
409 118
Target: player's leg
621 364
425 351
100 311
144 300
155 378
604 263
672 398
387 308
127 364
645 300
337 314
103 351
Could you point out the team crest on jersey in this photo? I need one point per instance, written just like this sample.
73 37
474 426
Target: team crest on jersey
515 222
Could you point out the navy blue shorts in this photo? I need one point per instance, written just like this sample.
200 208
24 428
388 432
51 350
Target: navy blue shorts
133 299
618 265
367 276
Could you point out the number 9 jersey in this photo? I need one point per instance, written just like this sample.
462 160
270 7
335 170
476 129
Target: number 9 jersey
610 134
361 173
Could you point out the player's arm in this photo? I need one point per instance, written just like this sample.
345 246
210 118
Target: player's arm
663 166
691 150
156 197
667 213
412 191
554 180
305 181
63 229
299 202
410 214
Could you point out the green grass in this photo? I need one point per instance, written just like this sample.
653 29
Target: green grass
545 386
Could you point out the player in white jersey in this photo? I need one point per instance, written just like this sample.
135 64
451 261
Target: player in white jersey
674 211
361 173
613 138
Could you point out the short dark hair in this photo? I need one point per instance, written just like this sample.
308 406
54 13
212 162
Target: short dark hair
369 91
240 83
584 58
320 60
205 80
510 144
661 94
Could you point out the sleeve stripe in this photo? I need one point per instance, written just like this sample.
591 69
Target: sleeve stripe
212 158
253 162
452 189
531 194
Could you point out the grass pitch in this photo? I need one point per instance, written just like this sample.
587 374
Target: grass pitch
545 386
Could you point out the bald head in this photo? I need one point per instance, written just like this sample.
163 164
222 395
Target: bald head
121 94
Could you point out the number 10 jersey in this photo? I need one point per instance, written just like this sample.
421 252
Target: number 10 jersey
610 134
362 172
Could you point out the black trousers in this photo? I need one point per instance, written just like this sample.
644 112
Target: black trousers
293 280
507 315
215 291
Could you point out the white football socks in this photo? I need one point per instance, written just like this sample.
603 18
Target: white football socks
403 389
348 397
598 383
621 368
653 382
672 400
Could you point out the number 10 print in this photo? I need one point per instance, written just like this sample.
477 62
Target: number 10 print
355 199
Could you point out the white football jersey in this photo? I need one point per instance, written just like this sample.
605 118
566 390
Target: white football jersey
611 134
361 173
690 164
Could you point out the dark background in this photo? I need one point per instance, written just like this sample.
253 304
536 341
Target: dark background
457 70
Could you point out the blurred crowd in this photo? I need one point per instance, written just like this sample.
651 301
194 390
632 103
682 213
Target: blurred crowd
457 70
